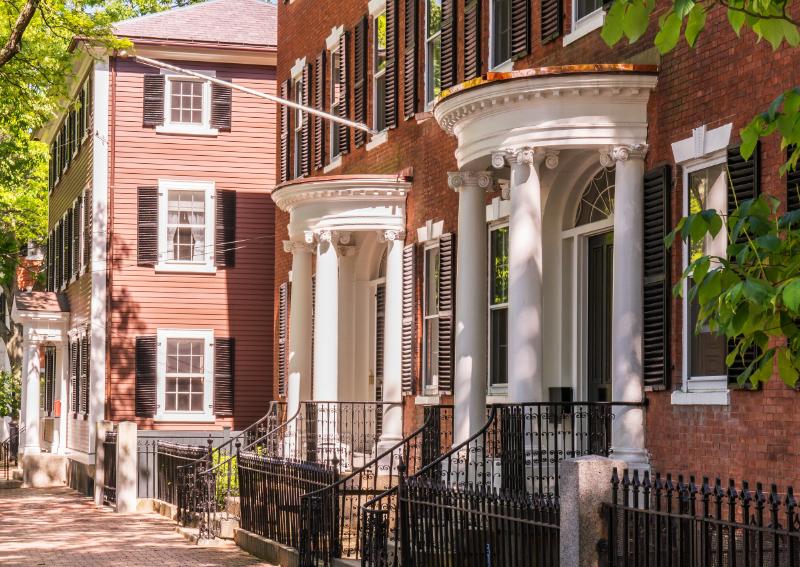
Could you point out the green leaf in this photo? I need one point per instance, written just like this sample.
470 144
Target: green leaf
613 26
669 34
700 270
695 24
791 295
736 19
710 288
637 17
698 227
786 368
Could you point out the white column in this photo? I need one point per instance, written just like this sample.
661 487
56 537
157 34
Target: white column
62 371
392 342
525 356
299 380
326 319
627 435
31 374
471 343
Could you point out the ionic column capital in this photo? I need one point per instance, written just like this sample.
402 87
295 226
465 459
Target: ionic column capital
291 246
609 156
326 236
391 235
461 179
525 155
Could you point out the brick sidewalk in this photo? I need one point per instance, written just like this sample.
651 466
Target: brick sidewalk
60 528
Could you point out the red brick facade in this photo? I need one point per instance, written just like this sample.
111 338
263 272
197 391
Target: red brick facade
724 79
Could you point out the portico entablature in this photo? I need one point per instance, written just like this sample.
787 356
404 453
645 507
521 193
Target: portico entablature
41 322
578 106
344 203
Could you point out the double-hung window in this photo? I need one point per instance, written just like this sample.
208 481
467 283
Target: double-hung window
336 100
297 131
379 73
430 374
501 32
186 229
498 308
433 50
187 105
185 374
706 188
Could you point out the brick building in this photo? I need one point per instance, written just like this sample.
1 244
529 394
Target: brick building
161 237
500 239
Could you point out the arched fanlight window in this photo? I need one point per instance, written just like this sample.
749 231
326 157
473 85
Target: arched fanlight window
597 201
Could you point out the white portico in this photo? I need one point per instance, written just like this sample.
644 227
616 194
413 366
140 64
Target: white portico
551 133
346 236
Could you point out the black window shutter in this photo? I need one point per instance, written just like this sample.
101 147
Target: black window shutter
221 101
82 114
360 78
551 21
792 187
283 337
448 53
224 356
84 375
67 245
742 185
520 28
319 104
147 226
447 288
472 39
146 376
73 376
49 378
76 238
305 135
51 173
410 60
51 254
87 228
344 93
225 230
655 339
408 334
153 100
391 63
285 158
59 233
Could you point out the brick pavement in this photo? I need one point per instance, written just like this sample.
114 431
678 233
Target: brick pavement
58 527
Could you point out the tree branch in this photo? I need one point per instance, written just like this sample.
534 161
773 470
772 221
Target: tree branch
14 43
784 16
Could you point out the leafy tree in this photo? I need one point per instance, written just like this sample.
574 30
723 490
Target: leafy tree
10 394
752 293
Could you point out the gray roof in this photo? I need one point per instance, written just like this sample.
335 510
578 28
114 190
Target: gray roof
232 22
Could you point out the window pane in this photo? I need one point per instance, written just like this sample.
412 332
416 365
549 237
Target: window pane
185 375
186 225
431 352
434 16
498 333
186 101
380 43
434 68
380 103
501 31
499 266
432 281
586 7
707 350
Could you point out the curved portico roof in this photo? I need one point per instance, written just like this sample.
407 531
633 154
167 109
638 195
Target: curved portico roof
557 107
344 202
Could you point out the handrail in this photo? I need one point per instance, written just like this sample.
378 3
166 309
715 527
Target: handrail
6 446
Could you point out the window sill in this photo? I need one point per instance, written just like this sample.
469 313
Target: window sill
496 398
378 139
334 164
504 67
701 398
585 26
427 400
185 268
187 130
185 417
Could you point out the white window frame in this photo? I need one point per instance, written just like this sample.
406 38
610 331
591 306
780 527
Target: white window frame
428 53
585 25
205 266
170 127
84 263
208 375
433 387
493 389
508 63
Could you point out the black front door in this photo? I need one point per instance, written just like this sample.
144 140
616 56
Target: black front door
601 252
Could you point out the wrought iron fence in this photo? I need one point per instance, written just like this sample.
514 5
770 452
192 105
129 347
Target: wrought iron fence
271 489
660 522
331 519
110 468
170 457
9 449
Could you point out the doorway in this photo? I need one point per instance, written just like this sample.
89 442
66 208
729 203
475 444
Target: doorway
599 299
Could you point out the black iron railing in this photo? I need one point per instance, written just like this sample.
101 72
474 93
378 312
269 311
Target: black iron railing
331 519
110 468
170 458
661 522
271 489
9 449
